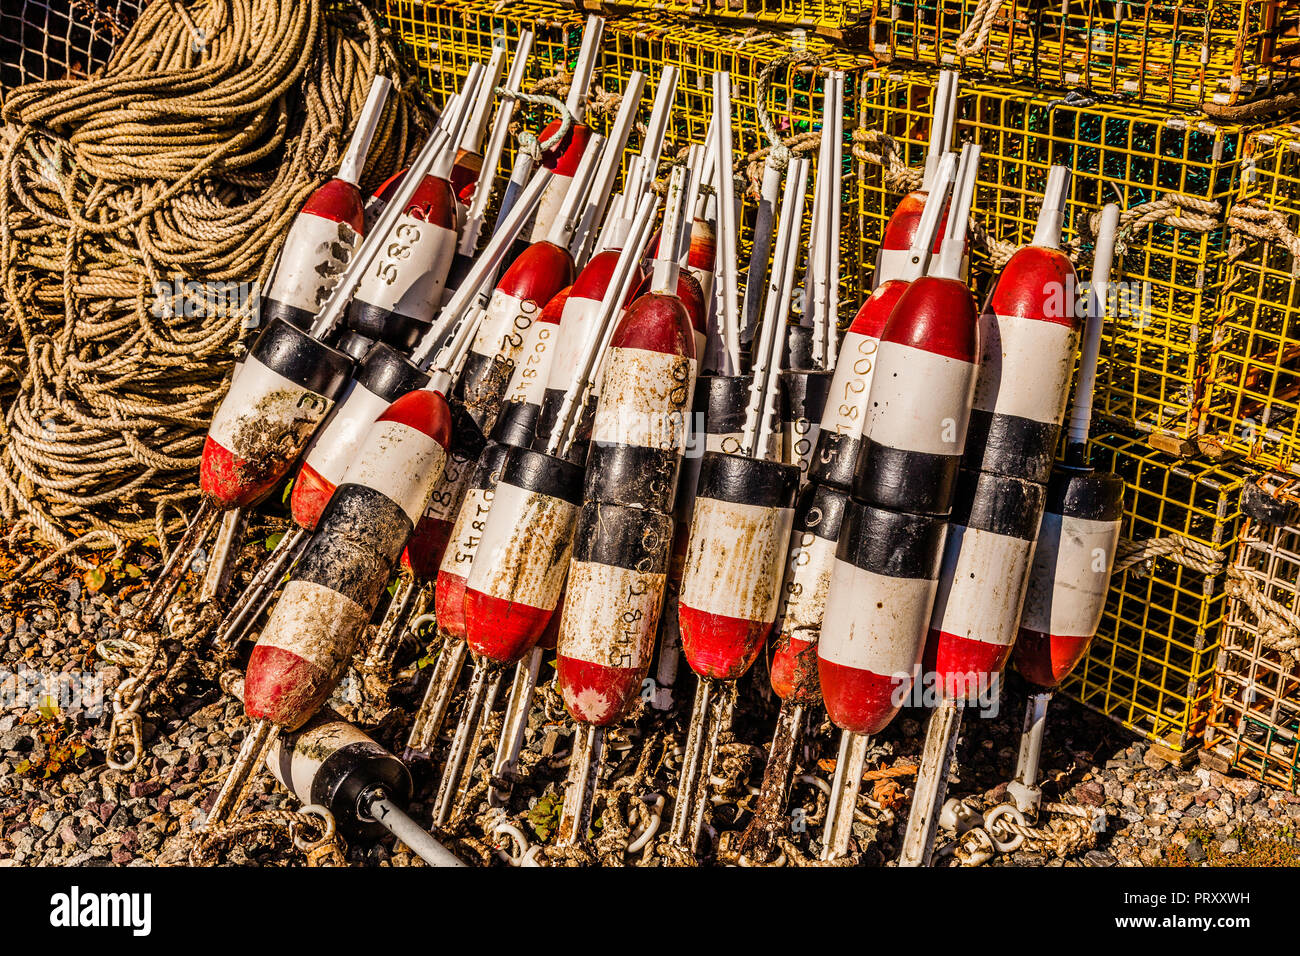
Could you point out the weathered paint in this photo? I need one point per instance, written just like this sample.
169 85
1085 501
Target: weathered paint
319 244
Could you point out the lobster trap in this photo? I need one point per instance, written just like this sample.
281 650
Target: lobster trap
829 18
1152 663
56 39
447 38
1255 710
1253 398
1184 52
1171 176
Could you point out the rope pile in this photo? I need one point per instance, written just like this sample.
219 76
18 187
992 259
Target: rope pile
140 212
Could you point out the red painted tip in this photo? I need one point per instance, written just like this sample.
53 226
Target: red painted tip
283 688
718 646
936 315
424 411
564 157
964 667
231 482
860 701
465 172
593 280
656 323
340 202
1038 283
554 310
311 493
901 228
501 630
1048 659
550 638
596 694
704 251
434 202
875 312
426 547
449 605
541 270
389 186
793 672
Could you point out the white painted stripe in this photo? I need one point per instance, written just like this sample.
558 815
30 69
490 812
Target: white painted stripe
846 403
524 552
310 750
919 401
410 272
335 446
798 439
1071 575
1025 367
645 400
401 463
505 320
610 614
807 585
874 622
444 504
890 264
314 254
735 558
264 403
577 320
982 585
315 623
467 532
549 206
533 364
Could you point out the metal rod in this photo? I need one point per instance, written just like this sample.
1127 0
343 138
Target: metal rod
755 275
240 618
598 198
838 829
483 686
931 783
580 787
389 815
261 735
220 569
437 697
728 311
514 727
353 163
771 820
379 655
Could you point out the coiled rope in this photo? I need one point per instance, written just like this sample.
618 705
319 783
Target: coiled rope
140 212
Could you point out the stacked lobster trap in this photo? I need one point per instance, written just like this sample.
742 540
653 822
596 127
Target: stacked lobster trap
1176 52
445 38
1172 175
1151 665
1254 719
55 39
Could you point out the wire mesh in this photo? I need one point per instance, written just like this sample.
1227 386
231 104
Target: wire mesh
830 17
1167 277
446 38
1254 381
1178 52
57 39
1151 665
1255 711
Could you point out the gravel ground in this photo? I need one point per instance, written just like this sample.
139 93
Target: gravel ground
60 804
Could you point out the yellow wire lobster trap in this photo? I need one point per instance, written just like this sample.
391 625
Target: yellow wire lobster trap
831 18
1253 398
1152 663
1171 175
445 39
1178 52
1255 710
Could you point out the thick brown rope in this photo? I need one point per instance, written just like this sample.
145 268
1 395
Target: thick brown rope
140 212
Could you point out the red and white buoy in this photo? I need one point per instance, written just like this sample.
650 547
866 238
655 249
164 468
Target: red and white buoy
327 230
1076 545
563 159
522 559
896 243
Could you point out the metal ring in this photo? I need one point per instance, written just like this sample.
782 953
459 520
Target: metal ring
315 810
993 818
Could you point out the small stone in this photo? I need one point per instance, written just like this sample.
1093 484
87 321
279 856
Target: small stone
1180 800
1195 852
1098 858
1090 793
1230 846
1154 760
